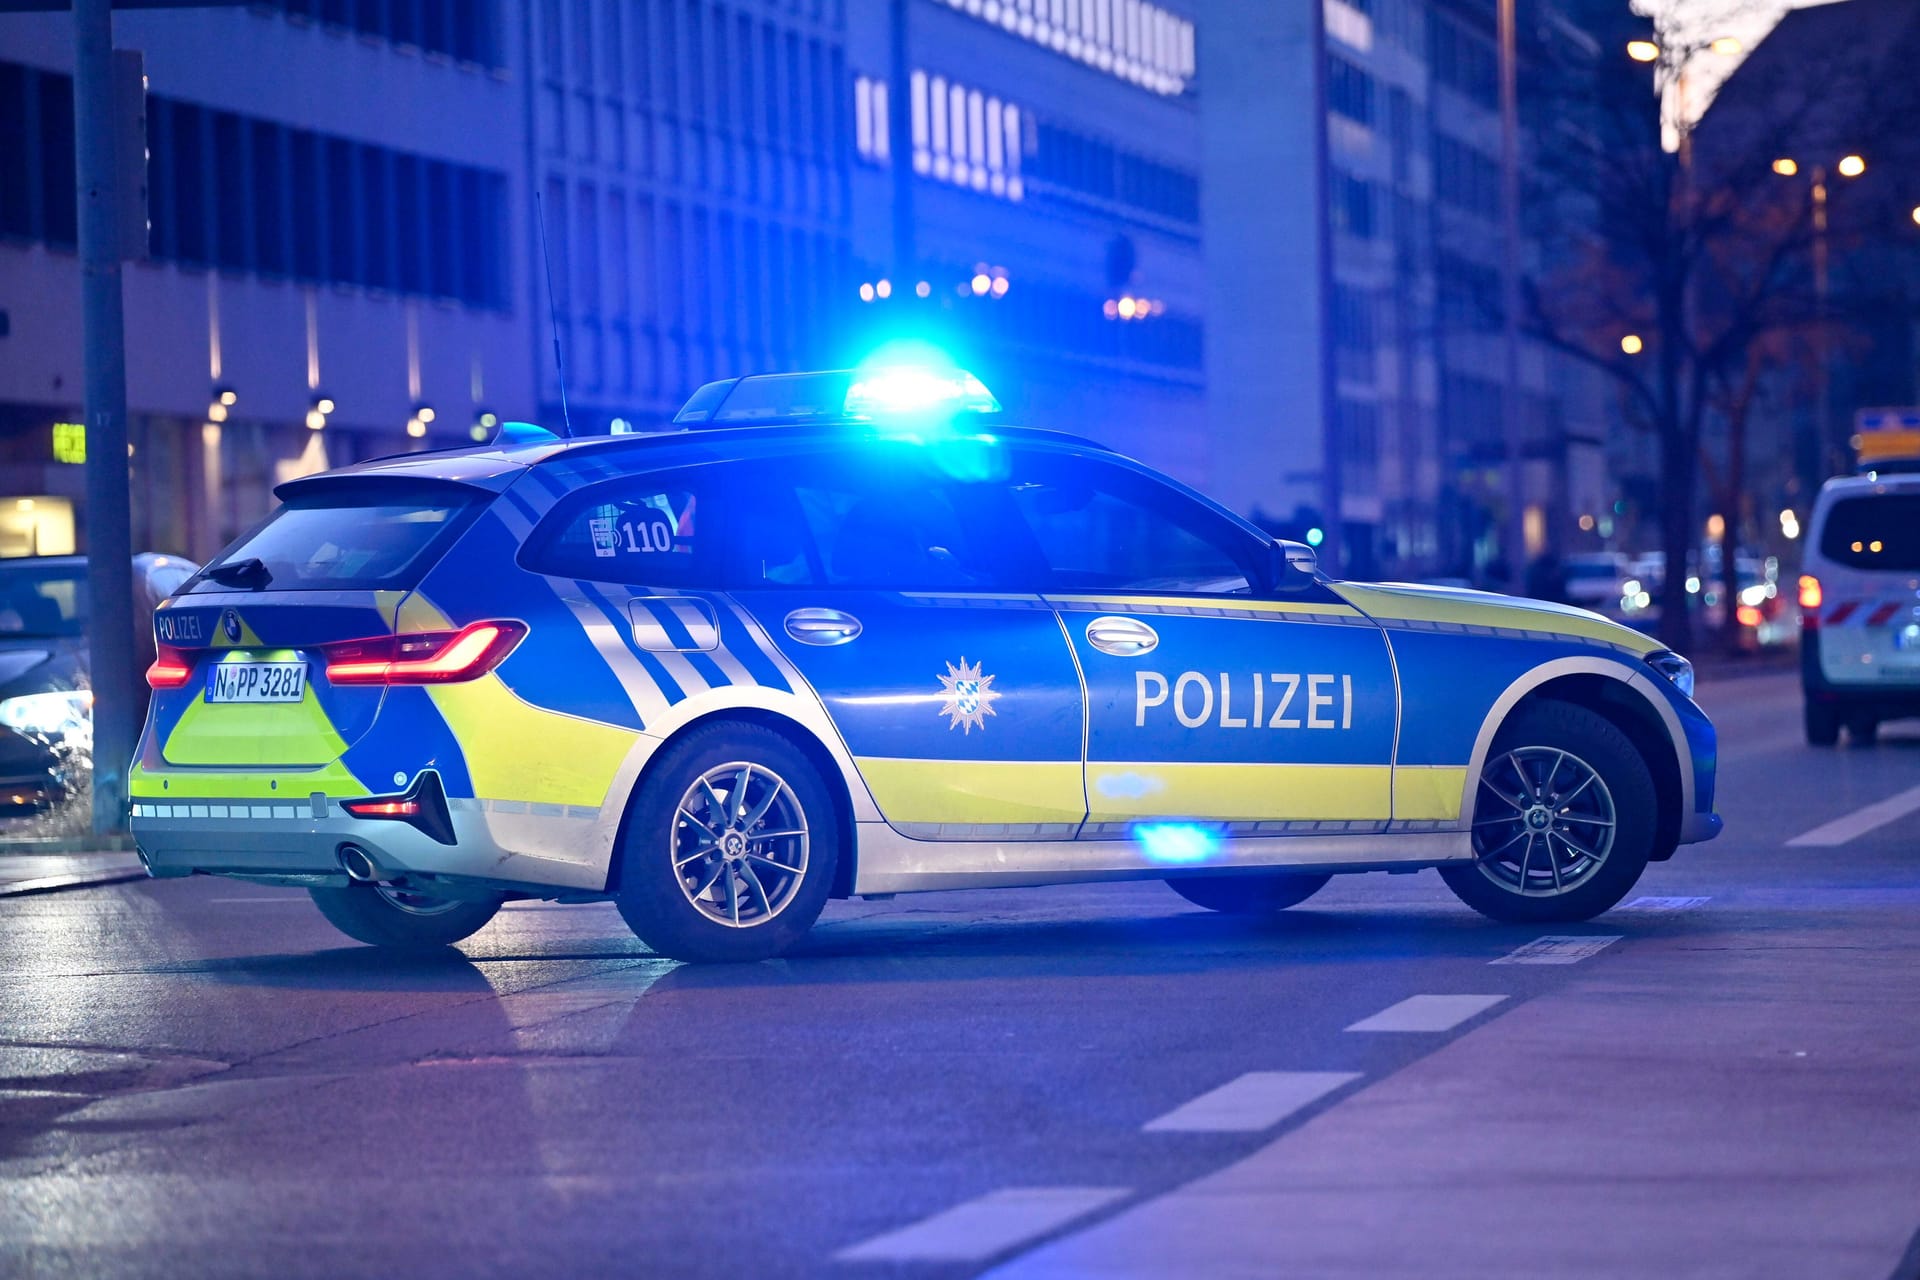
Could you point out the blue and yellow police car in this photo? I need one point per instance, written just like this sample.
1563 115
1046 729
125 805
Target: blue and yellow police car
849 634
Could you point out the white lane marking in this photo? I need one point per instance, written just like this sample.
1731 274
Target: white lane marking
980 1228
1662 904
1427 1013
1257 1100
1559 948
1859 822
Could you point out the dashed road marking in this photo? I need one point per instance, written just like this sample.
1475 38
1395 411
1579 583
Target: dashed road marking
1427 1013
980 1228
1559 948
1662 904
1859 822
1257 1100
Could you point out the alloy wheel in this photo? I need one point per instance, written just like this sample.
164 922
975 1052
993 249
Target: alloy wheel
740 844
1545 822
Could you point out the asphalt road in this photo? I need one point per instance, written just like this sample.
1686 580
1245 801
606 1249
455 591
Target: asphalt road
202 1079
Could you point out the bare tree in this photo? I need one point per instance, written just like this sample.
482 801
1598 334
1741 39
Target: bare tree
1663 271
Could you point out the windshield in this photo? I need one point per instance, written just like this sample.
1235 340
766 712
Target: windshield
42 601
337 539
1878 531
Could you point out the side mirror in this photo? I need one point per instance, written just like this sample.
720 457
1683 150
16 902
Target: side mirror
1291 562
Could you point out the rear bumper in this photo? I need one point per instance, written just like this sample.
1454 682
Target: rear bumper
300 842
1884 698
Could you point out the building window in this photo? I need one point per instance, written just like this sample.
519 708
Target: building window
1074 162
871 140
1351 206
1349 90
1466 178
965 137
1463 61
467 30
1132 39
255 196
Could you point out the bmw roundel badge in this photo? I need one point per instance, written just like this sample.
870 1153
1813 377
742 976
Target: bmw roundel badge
230 623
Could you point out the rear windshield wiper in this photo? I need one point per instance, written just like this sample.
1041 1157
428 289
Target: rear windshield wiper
251 572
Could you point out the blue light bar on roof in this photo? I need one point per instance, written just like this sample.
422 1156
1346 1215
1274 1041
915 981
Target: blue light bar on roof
917 391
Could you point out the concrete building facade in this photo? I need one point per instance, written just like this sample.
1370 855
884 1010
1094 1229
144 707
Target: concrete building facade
346 226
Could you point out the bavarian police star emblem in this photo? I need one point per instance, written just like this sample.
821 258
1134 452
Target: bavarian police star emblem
970 697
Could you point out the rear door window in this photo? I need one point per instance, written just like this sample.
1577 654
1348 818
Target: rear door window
1875 531
377 537
640 530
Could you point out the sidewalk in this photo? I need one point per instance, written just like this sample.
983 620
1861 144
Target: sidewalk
36 872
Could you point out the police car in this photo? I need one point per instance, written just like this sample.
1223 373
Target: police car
849 634
1860 593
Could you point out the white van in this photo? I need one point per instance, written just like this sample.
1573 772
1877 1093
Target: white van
1860 606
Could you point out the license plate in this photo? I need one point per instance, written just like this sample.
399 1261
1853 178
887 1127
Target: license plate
256 682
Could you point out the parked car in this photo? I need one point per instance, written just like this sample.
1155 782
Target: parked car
1594 580
46 690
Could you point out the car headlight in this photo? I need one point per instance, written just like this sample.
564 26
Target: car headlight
1675 668
47 715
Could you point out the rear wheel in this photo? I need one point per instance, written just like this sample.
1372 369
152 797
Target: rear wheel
401 919
1822 723
730 851
1564 820
1248 895
1863 729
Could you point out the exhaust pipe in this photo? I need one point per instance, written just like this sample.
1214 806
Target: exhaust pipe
358 866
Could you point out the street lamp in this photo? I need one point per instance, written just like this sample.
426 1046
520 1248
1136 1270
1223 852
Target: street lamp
1632 344
1851 165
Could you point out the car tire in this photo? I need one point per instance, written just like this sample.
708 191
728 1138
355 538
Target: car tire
1862 730
1822 724
392 917
1248 895
701 876
1570 785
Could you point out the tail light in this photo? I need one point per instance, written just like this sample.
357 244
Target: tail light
423 806
1811 597
426 657
1748 615
171 669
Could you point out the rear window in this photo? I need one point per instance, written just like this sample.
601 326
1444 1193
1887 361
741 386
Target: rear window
1878 531
379 538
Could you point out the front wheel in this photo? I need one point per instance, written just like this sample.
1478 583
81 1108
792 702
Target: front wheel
1563 823
399 919
1248 895
730 848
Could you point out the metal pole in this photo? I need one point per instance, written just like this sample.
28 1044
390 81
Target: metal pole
1514 536
900 146
1836 450
1335 556
109 523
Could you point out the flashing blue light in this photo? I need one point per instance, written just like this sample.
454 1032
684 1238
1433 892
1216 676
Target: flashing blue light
917 390
1316 536
512 433
1176 842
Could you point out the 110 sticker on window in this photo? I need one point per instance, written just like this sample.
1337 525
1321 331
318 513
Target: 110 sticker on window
648 527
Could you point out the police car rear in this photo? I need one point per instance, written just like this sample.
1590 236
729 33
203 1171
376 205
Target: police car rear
1860 595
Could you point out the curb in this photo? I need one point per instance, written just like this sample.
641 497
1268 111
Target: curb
79 880
67 844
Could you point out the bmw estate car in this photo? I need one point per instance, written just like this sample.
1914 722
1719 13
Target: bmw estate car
850 633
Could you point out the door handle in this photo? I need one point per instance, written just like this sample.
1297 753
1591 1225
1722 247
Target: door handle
1122 637
822 626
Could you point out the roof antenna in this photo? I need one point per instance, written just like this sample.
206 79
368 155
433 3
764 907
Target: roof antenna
553 317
